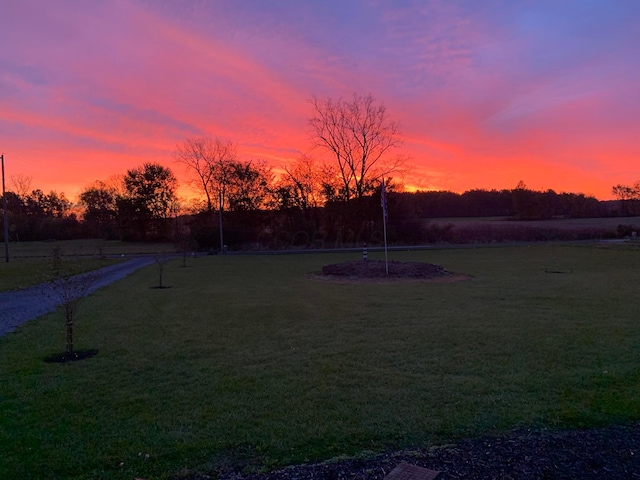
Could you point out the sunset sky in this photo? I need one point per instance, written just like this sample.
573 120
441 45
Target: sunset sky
487 93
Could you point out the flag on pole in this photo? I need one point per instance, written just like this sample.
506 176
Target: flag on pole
383 200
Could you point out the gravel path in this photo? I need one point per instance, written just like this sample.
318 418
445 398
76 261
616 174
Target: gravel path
19 306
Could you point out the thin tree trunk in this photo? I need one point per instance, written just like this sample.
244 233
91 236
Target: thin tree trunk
70 334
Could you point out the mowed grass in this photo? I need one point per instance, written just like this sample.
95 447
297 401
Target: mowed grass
31 263
85 247
25 272
245 362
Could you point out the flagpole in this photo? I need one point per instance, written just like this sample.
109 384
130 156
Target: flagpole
5 214
386 257
383 201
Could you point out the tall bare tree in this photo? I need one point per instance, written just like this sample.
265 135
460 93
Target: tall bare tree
303 179
21 184
209 160
360 136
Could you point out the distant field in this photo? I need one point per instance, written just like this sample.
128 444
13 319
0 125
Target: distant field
565 223
495 229
247 363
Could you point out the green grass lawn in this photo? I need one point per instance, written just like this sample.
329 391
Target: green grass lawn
85 247
31 263
25 272
246 362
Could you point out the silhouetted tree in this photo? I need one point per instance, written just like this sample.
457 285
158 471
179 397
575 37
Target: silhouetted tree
360 137
40 216
21 184
629 196
149 198
302 179
100 209
249 186
209 162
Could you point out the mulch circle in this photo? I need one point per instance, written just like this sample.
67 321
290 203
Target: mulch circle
71 356
363 271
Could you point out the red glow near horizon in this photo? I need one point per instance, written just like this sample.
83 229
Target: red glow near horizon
546 96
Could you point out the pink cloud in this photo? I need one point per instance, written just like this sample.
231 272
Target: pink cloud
484 97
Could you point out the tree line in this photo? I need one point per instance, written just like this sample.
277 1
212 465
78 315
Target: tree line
328 197
629 198
256 209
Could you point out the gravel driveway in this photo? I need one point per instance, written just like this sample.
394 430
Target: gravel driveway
20 306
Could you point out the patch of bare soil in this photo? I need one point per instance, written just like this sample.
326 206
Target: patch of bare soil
361 271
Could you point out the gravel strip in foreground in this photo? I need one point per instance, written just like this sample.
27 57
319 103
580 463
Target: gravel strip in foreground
19 306
595 454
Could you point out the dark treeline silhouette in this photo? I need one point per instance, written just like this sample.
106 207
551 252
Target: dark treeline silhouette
519 203
143 207
37 216
331 201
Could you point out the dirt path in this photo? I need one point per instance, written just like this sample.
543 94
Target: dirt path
20 306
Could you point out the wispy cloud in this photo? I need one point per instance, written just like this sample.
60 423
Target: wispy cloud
487 93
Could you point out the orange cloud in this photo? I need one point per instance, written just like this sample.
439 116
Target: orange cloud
484 100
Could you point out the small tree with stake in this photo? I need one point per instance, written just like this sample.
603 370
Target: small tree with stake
161 260
70 289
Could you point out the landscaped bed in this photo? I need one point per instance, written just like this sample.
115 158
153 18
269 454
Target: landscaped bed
381 271
596 454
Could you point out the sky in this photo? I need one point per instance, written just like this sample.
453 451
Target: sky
486 93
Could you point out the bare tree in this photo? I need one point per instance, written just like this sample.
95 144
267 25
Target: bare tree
210 162
116 184
626 192
361 138
628 196
21 184
70 288
161 259
303 178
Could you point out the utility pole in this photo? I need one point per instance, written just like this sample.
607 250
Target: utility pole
6 215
